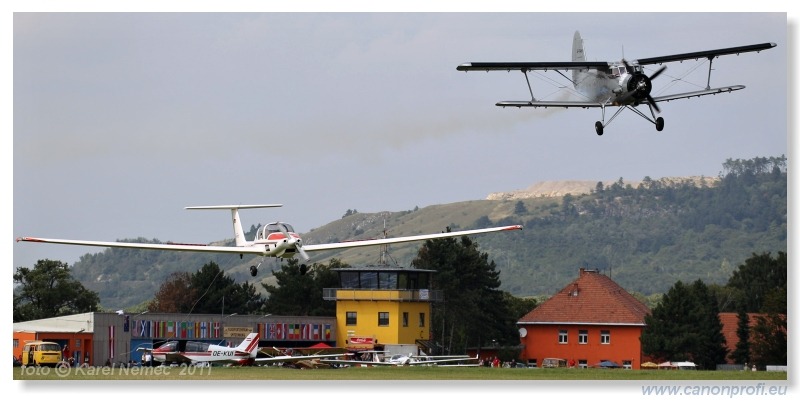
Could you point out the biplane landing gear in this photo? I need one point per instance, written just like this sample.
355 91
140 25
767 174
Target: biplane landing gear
659 124
598 126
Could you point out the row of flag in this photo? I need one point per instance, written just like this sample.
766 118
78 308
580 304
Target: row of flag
294 331
177 329
213 330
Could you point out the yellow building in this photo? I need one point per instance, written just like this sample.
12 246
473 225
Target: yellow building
382 305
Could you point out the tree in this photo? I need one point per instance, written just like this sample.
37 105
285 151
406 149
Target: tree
520 209
761 278
299 290
710 348
769 346
474 312
741 355
176 295
685 326
214 292
48 290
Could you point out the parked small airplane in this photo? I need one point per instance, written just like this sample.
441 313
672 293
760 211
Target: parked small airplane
408 360
276 239
193 352
604 84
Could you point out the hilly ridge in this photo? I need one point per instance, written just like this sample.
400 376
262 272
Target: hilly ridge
645 236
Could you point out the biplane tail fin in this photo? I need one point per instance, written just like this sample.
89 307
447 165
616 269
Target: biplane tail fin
578 53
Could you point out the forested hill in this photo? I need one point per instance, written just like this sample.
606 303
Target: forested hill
645 236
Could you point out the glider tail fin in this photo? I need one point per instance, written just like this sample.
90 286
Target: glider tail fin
238 232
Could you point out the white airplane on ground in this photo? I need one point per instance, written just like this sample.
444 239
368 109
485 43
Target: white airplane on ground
408 360
194 353
276 239
604 84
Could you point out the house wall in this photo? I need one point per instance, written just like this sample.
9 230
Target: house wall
367 321
542 341
79 345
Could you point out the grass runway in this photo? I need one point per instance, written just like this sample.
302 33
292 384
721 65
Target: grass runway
404 373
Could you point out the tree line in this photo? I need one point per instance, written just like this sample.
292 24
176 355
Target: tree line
685 324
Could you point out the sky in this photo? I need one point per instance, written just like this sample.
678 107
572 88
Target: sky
121 119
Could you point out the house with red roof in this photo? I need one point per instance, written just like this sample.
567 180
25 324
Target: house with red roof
730 327
590 321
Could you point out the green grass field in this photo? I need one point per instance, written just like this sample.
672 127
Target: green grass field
385 373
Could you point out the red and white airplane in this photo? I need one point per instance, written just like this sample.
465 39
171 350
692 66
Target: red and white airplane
276 239
195 353
605 84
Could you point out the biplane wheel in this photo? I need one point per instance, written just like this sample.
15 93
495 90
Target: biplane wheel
253 270
598 126
659 124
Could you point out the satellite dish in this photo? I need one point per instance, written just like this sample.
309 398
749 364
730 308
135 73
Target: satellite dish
523 332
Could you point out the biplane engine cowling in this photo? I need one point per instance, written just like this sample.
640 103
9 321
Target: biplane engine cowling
639 86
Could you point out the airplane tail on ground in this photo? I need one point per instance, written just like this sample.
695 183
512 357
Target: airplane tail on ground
249 345
578 53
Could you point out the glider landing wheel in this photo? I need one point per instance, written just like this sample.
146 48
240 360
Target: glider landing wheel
253 270
598 126
659 124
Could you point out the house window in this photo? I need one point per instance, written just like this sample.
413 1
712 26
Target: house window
422 320
78 343
352 318
627 364
405 318
383 319
583 364
605 337
583 337
562 336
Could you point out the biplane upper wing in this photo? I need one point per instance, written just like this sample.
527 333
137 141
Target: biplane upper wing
528 66
706 54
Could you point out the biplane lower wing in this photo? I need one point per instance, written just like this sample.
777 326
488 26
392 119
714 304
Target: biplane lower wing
585 105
